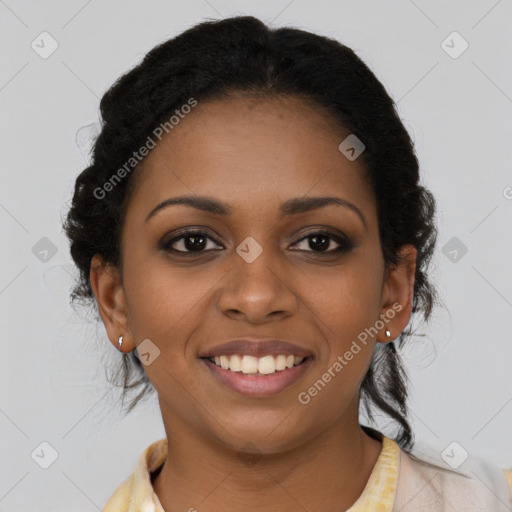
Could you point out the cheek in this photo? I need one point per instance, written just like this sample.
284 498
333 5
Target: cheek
164 302
166 306
348 344
350 310
350 297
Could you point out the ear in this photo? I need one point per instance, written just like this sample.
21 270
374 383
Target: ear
397 294
108 290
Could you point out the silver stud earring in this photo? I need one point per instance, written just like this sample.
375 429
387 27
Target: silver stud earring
388 333
119 342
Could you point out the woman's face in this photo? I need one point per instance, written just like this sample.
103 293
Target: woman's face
254 271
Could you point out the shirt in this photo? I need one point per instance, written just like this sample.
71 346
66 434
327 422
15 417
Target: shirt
399 481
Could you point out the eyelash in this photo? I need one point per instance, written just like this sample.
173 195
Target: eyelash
344 244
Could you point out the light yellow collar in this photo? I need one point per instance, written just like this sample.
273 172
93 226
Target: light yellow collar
379 493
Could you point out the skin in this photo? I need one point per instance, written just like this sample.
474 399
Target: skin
254 154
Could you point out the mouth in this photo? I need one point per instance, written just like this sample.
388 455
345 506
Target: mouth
257 376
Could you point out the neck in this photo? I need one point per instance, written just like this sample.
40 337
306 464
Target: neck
328 472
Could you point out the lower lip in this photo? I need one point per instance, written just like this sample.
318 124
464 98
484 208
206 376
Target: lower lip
258 385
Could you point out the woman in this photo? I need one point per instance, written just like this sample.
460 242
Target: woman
255 235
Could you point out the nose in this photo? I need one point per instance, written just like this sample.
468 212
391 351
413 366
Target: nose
257 292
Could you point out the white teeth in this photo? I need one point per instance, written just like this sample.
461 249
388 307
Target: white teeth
257 365
280 362
235 363
267 365
249 364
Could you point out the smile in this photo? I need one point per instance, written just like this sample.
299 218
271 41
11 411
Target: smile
257 376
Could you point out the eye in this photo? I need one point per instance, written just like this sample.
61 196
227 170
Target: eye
195 241
320 241
189 242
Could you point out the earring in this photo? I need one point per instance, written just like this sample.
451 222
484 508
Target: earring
119 342
388 333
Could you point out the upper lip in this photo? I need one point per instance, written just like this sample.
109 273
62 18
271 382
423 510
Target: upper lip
257 348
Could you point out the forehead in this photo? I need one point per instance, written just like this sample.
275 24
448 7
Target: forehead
251 152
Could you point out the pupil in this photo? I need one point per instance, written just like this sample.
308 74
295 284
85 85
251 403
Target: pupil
198 242
323 246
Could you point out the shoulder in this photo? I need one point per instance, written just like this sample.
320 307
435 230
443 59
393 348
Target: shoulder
508 476
136 493
426 482
120 500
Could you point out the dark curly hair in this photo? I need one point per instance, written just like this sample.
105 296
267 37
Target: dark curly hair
212 60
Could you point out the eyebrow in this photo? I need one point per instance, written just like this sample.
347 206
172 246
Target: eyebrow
290 207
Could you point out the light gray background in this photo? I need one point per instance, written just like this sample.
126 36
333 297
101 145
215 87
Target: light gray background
52 385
